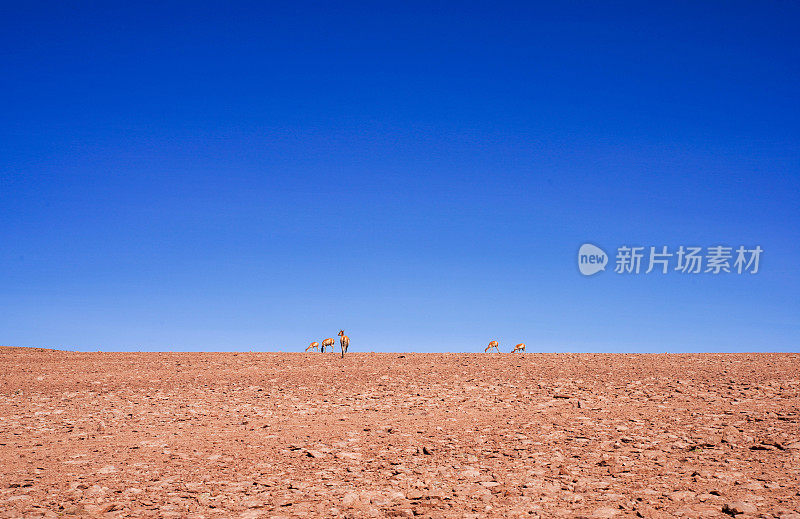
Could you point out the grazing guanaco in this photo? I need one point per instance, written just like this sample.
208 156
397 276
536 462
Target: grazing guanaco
327 342
344 341
493 344
313 346
518 347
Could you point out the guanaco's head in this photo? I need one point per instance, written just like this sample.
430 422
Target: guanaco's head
341 332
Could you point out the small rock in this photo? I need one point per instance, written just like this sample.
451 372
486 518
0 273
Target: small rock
349 455
378 499
20 498
253 502
414 494
470 473
605 512
738 507
96 491
350 499
682 495
108 469
773 443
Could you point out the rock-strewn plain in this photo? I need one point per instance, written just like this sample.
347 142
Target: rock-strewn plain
373 435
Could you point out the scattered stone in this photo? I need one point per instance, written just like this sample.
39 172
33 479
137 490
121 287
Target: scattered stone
256 435
349 455
469 473
414 494
605 512
350 499
682 495
772 443
738 507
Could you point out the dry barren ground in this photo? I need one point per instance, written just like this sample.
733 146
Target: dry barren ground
374 435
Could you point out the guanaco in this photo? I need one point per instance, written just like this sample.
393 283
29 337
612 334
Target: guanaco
518 347
344 341
327 342
313 346
493 344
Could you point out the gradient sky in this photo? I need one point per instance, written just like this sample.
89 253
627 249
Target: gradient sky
254 176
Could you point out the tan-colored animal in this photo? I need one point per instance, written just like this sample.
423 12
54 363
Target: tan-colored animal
344 341
313 346
518 347
328 342
493 344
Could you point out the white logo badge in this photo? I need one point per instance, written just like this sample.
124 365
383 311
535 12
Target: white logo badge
591 259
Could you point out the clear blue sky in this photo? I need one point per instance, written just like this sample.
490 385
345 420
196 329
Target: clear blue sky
254 176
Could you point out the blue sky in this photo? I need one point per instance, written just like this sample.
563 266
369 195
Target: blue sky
254 176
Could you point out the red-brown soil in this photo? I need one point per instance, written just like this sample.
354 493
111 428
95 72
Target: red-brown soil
388 434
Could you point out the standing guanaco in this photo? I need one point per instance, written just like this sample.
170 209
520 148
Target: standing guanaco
313 346
327 342
493 344
344 341
518 347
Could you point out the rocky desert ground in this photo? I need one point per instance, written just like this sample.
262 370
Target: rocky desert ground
400 435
